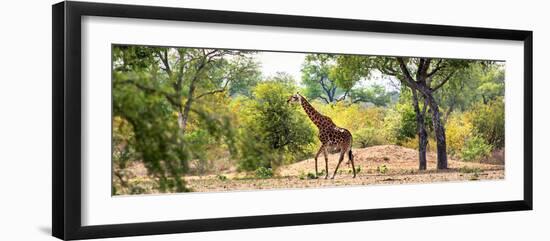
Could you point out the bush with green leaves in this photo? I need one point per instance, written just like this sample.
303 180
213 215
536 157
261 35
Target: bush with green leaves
488 121
273 132
400 123
369 136
475 149
458 130
263 172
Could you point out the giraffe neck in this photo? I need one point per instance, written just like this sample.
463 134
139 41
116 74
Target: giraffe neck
313 115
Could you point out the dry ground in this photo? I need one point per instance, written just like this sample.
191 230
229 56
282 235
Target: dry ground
400 165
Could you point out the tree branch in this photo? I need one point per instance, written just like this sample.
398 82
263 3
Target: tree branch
408 78
443 81
164 60
438 67
344 96
325 99
223 89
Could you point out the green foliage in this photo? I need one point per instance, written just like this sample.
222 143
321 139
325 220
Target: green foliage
156 141
272 132
188 111
247 75
323 172
221 177
365 123
263 172
317 78
383 169
488 121
467 169
164 95
479 82
459 128
475 149
308 176
400 123
474 134
375 94
369 136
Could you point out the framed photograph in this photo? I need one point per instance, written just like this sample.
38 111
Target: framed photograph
171 120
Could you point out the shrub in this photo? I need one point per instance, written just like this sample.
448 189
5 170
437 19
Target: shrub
382 169
353 117
413 143
369 136
400 123
475 149
309 175
458 129
271 131
488 121
221 177
263 172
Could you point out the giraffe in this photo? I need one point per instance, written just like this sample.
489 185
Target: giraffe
330 135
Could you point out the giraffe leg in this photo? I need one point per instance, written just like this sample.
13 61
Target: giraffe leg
316 156
350 156
337 165
326 163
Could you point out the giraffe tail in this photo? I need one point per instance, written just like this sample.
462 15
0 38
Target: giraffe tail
350 155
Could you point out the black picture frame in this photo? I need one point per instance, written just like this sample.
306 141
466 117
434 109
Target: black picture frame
66 128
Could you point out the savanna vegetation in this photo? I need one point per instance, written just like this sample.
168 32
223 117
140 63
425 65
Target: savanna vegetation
185 113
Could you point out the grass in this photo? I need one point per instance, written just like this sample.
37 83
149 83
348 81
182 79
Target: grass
475 171
466 169
308 176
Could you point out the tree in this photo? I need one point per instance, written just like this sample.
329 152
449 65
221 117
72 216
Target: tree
481 81
375 94
423 76
323 79
272 131
283 78
365 65
429 76
154 90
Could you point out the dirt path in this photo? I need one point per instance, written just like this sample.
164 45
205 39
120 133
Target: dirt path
209 184
387 164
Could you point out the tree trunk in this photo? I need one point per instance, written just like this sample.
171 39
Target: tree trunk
184 115
187 107
439 133
422 134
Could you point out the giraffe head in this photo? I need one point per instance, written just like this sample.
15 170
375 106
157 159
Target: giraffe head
295 98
